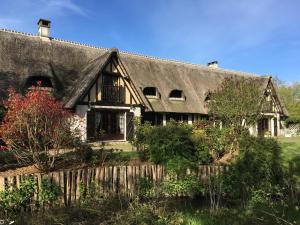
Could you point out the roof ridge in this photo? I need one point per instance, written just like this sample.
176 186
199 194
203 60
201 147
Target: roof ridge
79 44
18 32
53 39
228 71
192 64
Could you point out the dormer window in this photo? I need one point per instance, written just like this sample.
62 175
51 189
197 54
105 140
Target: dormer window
176 95
150 92
39 81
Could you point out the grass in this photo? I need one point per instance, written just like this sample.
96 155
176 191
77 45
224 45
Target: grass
291 155
290 149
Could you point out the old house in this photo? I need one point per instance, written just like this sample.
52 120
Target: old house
107 88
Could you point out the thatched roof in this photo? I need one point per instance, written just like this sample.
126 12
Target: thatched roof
72 66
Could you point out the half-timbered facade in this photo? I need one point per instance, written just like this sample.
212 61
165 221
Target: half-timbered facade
106 88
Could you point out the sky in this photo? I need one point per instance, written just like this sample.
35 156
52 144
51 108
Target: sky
257 36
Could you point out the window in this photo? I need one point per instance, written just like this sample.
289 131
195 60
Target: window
150 91
38 81
176 94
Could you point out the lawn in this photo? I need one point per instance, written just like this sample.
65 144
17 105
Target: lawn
290 149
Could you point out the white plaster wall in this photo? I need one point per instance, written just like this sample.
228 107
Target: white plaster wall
136 111
80 121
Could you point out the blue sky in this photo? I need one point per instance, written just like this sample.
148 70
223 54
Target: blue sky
259 36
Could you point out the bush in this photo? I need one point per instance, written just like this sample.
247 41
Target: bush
172 146
14 200
257 167
143 214
139 139
36 126
292 120
189 185
49 193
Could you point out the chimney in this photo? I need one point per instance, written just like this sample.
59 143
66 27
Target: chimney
44 28
213 64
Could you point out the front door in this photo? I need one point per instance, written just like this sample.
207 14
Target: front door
263 126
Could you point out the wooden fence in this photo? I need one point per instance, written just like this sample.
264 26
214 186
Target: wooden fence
109 180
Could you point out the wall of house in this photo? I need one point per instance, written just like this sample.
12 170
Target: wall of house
80 117
80 121
95 93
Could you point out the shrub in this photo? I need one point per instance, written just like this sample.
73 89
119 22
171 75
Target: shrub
48 193
189 185
292 120
36 127
143 214
13 200
256 167
139 139
146 188
172 146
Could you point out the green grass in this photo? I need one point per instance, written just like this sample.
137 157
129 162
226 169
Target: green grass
290 149
291 155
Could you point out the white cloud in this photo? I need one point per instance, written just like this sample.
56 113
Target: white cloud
64 5
7 22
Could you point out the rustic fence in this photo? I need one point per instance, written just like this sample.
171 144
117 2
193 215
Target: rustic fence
109 179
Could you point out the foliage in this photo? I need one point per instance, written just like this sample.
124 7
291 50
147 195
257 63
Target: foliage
189 185
257 167
139 139
36 126
172 146
146 188
13 200
290 94
144 214
48 193
203 151
235 101
214 189
292 120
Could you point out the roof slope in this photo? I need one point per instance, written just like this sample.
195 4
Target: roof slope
70 66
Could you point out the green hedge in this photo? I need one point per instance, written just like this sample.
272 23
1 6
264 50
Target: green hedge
292 120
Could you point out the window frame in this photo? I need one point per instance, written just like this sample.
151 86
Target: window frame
181 98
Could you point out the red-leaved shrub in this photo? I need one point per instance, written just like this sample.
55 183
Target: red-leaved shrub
36 126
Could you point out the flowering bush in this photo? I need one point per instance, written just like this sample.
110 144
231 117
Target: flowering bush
36 126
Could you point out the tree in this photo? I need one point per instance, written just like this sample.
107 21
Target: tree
290 95
236 103
36 127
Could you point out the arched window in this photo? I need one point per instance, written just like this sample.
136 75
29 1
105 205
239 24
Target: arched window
150 91
176 94
38 81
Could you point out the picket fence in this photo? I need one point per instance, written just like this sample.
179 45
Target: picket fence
108 179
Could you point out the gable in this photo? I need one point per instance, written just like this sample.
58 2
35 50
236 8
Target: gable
271 102
111 86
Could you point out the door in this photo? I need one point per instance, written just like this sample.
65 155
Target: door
105 125
275 127
129 124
